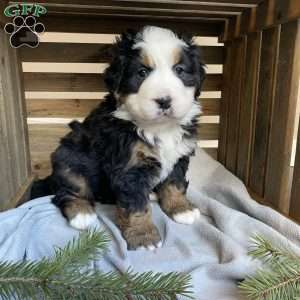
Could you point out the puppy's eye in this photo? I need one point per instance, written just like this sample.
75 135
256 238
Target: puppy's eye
179 70
143 72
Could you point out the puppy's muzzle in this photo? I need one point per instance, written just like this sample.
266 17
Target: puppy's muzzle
163 103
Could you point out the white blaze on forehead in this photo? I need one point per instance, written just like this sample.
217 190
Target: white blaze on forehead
159 44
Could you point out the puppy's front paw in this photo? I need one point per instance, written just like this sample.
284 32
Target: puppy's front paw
144 237
188 216
83 221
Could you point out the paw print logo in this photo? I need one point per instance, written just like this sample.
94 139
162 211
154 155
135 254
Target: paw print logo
24 31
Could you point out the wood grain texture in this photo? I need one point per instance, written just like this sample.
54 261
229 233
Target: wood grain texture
14 154
118 25
94 53
295 194
269 13
65 82
224 108
79 108
265 99
44 139
195 5
107 7
248 105
146 3
238 63
3 18
277 190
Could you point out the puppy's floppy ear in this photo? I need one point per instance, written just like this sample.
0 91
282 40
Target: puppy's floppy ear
195 55
120 54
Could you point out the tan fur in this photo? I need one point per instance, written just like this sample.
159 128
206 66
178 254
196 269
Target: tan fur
137 228
76 206
147 61
176 56
80 200
141 153
173 199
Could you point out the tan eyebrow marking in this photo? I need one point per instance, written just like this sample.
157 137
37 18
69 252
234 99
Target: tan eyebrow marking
176 56
147 61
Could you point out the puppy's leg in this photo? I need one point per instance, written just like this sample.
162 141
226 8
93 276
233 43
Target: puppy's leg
137 229
74 199
172 195
132 186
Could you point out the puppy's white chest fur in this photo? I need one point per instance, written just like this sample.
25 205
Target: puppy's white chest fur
171 145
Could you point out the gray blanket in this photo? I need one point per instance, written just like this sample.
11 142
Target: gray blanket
213 250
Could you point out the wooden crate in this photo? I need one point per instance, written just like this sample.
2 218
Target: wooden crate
249 101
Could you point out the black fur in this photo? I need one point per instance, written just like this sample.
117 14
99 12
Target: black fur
99 149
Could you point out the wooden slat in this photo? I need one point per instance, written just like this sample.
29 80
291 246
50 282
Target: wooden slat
42 135
266 91
60 108
41 165
3 18
210 106
248 105
79 108
239 52
196 5
207 11
14 154
295 194
277 191
44 139
22 195
60 82
147 3
224 109
94 53
268 14
117 25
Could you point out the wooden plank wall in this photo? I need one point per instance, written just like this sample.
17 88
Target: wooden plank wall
259 110
15 172
63 80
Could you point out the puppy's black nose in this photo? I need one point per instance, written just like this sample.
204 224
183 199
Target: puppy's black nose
164 103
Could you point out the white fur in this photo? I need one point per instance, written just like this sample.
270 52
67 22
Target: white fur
153 197
159 45
151 247
83 221
187 217
166 137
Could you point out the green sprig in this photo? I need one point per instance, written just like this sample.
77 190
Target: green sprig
66 276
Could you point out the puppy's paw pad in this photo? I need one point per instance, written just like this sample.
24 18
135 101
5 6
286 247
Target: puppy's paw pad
83 221
187 217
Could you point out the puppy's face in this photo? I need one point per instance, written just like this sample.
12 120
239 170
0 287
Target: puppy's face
155 75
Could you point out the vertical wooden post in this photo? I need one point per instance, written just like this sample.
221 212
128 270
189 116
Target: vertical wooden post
265 98
238 63
14 151
227 74
295 194
248 105
277 186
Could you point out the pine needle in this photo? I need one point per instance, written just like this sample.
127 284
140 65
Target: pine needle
66 276
279 279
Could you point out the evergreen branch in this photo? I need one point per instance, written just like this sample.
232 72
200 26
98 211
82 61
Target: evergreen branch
264 250
280 278
63 277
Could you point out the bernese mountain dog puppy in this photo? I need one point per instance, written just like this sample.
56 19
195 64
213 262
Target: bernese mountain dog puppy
137 141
